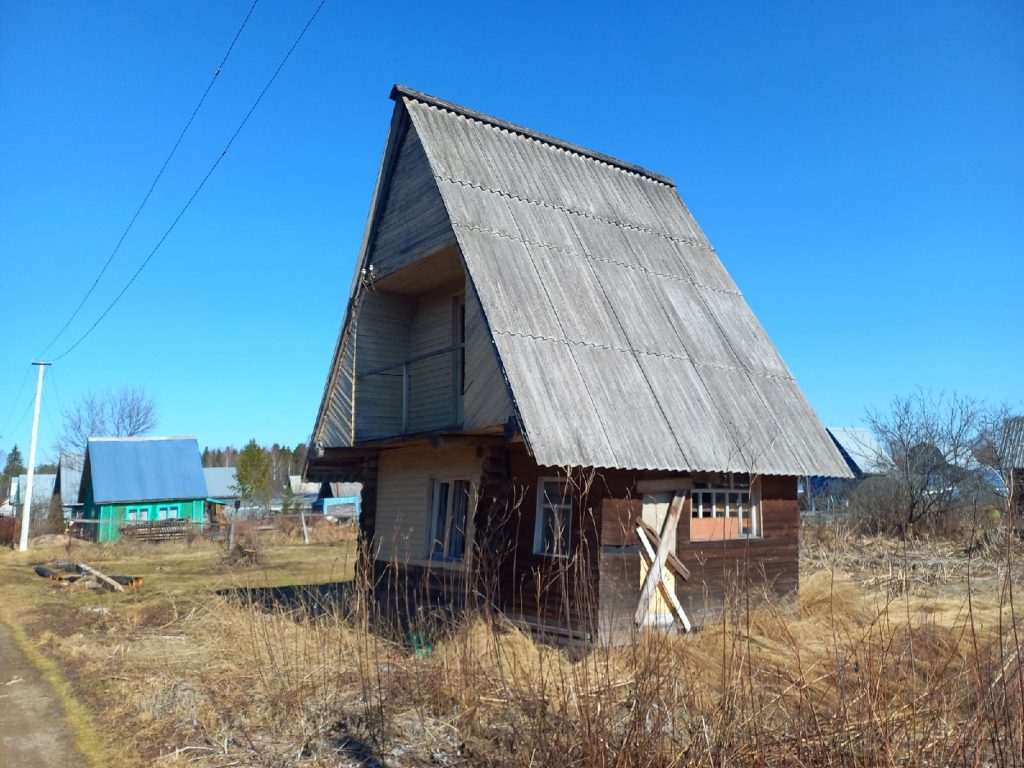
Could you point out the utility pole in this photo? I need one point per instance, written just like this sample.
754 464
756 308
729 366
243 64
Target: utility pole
26 504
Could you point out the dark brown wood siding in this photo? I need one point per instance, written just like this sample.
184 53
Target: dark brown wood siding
594 592
770 561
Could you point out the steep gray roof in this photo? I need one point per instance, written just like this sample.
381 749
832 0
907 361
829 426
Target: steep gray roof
624 341
860 448
221 482
143 469
42 489
1013 442
69 477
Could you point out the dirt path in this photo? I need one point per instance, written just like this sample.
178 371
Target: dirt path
33 733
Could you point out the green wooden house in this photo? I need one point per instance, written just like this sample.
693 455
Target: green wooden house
132 480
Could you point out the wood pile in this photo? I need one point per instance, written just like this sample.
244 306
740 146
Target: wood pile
157 530
67 573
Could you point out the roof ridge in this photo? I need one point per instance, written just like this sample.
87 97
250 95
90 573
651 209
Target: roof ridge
399 91
141 438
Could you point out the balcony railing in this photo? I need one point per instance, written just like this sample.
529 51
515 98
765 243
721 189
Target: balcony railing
420 394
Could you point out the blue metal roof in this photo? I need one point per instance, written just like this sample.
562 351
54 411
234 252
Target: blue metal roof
143 469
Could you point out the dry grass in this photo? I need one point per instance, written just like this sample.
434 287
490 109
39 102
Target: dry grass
894 654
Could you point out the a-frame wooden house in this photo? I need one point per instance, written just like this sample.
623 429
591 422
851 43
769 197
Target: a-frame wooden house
542 350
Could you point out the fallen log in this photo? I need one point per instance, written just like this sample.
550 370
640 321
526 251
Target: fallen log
88 571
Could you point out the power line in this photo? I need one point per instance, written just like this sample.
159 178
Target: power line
195 192
53 383
14 402
152 186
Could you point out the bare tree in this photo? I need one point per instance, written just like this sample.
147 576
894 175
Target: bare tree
929 445
123 413
1000 447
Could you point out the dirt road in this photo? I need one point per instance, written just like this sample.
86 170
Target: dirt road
33 732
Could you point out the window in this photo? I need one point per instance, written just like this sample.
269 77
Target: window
727 509
554 518
449 514
168 512
136 514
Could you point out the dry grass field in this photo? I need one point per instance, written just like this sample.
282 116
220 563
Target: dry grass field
893 654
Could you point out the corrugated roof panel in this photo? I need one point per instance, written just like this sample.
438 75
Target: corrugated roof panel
760 443
478 208
744 333
145 469
507 282
605 241
700 335
806 436
643 438
704 267
648 327
542 224
704 436
551 394
655 253
673 217
576 297
1012 448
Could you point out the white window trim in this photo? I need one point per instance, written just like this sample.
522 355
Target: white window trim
436 535
754 513
165 508
136 511
538 527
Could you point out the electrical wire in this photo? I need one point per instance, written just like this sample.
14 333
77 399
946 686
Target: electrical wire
152 186
14 402
195 192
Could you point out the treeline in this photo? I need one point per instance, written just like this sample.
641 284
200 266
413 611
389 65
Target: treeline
282 460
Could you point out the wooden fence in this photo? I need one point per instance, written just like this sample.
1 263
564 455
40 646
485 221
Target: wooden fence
10 530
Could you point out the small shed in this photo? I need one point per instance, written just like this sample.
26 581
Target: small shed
134 480
340 501
221 494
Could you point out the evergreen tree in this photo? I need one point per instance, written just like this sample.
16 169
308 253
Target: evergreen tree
13 467
252 474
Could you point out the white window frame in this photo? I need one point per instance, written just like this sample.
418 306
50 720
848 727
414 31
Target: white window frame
440 532
724 498
163 510
561 507
131 514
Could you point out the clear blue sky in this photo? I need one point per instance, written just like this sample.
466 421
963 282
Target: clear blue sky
860 170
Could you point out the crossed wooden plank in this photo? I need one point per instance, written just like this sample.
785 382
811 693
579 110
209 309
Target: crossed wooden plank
657 560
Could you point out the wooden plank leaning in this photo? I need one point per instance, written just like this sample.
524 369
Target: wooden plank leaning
674 563
656 569
667 593
100 577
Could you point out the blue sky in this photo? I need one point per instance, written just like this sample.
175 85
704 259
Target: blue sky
859 168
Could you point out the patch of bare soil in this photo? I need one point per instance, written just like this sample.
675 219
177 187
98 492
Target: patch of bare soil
33 732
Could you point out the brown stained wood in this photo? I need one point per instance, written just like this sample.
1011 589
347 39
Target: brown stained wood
617 515
662 484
